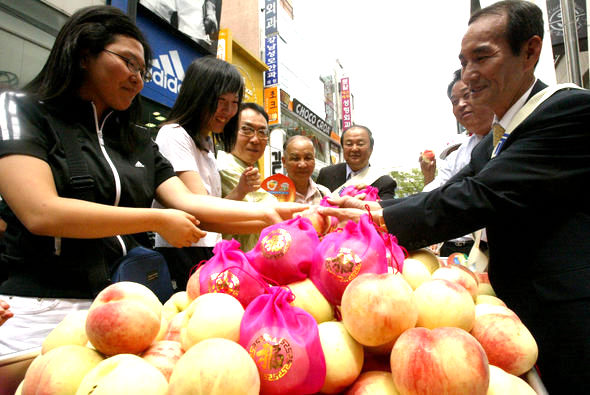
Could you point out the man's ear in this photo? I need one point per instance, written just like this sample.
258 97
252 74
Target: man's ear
532 51
84 57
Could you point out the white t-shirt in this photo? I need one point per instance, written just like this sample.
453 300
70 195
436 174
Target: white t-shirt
182 152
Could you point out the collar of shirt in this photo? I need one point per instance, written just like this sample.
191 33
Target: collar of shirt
354 173
308 198
507 118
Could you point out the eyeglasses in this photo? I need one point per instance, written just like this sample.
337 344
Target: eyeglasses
132 65
249 132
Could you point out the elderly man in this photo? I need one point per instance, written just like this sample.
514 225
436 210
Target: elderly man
477 119
299 162
357 144
240 178
525 185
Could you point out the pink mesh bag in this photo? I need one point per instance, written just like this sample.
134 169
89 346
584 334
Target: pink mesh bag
372 193
284 342
342 256
284 251
395 253
230 272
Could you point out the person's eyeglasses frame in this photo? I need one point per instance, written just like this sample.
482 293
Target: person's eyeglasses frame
262 133
145 75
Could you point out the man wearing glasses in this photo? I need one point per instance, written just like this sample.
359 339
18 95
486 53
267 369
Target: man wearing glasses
240 177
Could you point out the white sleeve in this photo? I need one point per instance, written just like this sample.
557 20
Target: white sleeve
178 147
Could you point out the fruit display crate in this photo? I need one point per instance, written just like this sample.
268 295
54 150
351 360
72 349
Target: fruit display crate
14 366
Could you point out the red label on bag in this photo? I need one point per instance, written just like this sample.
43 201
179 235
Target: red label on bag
273 356
275 244
345 266
225 282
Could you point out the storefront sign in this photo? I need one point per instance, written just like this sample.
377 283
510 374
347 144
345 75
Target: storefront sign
272 105
271 76
310 116
171 58
270 17
346 105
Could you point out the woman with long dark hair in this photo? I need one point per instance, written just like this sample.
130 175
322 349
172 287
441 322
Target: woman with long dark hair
205 113
61 228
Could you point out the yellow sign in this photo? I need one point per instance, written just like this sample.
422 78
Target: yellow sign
272 105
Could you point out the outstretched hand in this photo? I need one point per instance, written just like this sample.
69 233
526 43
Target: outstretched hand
180 228
343 214
353 202
283 211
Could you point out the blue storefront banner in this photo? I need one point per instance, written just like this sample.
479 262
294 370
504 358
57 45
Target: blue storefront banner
172 57
271 76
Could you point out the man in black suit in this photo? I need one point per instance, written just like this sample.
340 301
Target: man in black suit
357 144
528 190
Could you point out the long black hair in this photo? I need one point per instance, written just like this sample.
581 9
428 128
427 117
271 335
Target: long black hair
86 33
206 79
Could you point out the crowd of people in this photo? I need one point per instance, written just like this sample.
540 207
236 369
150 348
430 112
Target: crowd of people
519 175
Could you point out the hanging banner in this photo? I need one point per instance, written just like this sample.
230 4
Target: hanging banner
346 104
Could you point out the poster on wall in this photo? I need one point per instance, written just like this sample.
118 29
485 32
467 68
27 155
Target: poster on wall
198 19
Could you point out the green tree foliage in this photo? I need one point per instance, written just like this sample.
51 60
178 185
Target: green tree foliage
408 182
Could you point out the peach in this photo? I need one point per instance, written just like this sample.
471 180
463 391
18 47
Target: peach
460 275
60 370
177 303
427 257
175 327
215 367
415 272
502 383
163 355
344 357
193 285
373 383
507 341
439 361
377 308
444 303
123 374
125 317
489 299
71 330
211 315
310 299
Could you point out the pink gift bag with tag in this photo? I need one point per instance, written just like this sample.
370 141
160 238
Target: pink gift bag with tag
343 255
230 272
284 251
284 342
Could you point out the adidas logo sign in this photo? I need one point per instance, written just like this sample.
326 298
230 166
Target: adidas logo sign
139 164
167 71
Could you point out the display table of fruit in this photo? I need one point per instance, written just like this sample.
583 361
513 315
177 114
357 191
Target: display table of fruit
308 310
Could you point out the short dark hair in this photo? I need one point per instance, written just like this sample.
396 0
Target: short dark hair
293 138
256 107
524 20
205 80
371 140
456 78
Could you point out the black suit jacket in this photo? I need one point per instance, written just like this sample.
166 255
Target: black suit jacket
334 176
533 200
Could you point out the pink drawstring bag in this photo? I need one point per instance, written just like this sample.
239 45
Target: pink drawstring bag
230 272
342 256
395 252
372 193
284 342
284 251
